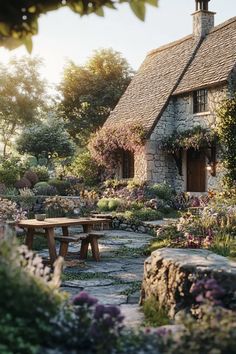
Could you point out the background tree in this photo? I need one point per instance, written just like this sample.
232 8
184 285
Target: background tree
21 96
90 92
19 19
48 140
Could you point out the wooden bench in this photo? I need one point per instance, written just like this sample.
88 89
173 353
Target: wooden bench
86 239
105 225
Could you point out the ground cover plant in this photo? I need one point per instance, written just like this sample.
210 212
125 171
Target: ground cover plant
137 201
213 226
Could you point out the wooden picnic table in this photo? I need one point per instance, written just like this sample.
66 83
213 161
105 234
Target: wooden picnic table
49 225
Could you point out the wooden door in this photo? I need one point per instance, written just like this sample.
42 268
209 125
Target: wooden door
196 171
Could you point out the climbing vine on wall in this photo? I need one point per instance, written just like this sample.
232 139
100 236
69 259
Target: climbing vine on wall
109 141
195 138
226 129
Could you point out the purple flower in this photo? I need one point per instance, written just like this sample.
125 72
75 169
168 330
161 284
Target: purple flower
99 311
113 311
162 332
84 299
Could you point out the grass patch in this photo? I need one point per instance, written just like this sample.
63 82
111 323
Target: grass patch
67 276
131 252
155 245
154 315
135 286
224 245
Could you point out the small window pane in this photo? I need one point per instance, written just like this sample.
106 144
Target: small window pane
200 101
128 164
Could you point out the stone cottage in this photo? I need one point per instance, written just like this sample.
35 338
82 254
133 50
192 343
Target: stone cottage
179 87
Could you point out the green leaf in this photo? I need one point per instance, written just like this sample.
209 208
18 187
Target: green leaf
110 5
28 44
100 12
138 7
152 2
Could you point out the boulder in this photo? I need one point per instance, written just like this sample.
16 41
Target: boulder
169 274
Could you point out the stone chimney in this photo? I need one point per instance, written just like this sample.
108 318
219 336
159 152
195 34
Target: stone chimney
203 19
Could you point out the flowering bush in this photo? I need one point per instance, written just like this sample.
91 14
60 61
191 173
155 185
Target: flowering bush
10 211
92 327
107 143
59 205
195 138
207 291
214 332
26 199
28 299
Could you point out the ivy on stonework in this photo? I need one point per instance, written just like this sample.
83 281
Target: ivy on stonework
105 145
226 129
195 138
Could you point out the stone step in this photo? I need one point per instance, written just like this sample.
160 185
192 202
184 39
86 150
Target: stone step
133 315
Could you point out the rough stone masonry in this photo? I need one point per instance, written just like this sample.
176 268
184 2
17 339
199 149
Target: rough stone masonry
169 274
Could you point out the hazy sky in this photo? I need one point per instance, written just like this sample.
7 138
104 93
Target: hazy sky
64 35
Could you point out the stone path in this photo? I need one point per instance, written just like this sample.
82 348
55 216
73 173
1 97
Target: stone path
116 279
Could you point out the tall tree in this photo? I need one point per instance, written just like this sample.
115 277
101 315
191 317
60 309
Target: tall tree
48 140
90 92
21 96
19 18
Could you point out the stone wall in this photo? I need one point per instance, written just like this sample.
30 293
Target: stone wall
160 167
169 274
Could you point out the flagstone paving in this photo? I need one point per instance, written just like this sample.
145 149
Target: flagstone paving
116 279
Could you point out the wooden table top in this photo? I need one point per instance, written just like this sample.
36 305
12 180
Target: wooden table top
57 222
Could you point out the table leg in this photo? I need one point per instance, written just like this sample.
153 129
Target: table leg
51 244
87 228
64 245
95 248
84 249
29 238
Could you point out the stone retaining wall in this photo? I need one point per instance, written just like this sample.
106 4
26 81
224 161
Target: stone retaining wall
119 223
169 274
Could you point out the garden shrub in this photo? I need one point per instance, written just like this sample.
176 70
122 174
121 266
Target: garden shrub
109 204
43 188
28 300
9 172
3 188
107 143
62 186
155 315
31 176
144 214
26 199
215 332
160 190
115 183
58 206
134 183
41 172
86 168
23 183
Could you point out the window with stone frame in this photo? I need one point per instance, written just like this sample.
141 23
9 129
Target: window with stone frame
127 164
200 101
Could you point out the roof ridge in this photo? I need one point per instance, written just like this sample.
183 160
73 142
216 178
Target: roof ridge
190 36
169 45
222 25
